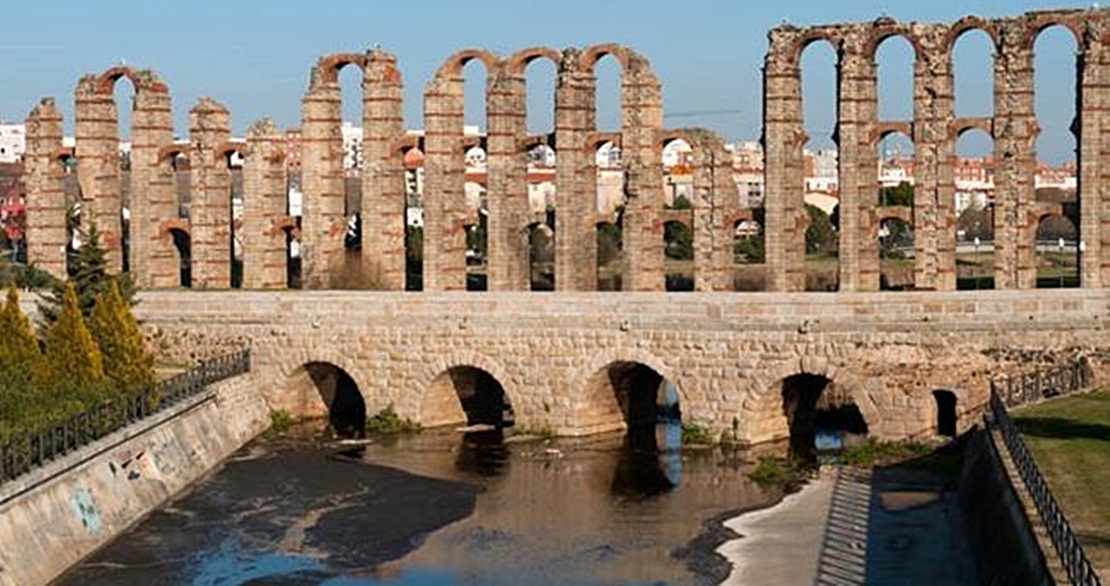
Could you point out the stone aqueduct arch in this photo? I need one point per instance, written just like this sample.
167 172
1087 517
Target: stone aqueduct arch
934 131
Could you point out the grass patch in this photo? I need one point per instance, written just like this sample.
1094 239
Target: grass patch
388 422
882 453
1070 440
771 470
696 434
542 433
280 422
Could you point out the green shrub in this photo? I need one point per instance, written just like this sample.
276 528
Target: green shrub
771 470
696 434
880 453
388 422
281 421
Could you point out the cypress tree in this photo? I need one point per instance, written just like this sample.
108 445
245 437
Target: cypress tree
90 278
73 363
20 356
20 359
127 364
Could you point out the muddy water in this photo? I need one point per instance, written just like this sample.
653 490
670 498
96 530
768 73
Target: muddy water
443 508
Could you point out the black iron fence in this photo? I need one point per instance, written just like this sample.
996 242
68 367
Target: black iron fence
1032 386
1043 383
22 455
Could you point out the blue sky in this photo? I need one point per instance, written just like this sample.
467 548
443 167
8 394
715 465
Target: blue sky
255 56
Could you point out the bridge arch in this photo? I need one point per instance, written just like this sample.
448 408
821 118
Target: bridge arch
465 388
337 396
624 391
773 403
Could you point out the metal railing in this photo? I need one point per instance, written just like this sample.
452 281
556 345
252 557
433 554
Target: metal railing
20 456
1034 385
1043 383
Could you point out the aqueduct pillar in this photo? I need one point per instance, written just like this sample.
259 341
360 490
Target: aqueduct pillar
46 202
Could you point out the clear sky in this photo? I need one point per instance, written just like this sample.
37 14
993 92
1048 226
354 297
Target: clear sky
255 56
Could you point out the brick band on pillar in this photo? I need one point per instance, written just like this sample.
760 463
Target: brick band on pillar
784 176
444 175
1015 161
575 175
509 218
210 211
857 171
323 188
383 174
265 207
1094 160
98 163
45 201
152 198
641 123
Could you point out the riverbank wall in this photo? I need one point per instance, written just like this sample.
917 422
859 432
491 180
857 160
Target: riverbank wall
56 515
1004 546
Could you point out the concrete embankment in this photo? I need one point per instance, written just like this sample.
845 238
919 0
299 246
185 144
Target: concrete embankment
55 516
781 544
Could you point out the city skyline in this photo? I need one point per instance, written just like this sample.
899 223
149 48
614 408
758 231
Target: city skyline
256 59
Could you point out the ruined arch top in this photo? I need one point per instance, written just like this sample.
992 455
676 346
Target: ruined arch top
144 80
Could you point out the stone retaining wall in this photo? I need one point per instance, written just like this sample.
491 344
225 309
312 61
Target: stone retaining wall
55 516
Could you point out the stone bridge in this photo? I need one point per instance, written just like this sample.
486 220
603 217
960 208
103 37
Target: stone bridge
582 363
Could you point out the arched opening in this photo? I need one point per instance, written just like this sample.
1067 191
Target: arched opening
821 165
678 175
894 59
895 255
946 412
608 73
974 178
182 243
820 415
1055 82
748 255
610 254
541 255
1057 252
648 406
350 135
973 74
72 191
539 83
541 181
610 194
339 397
413 162
477 262
469 396
678 250
234 162
124 94
894 228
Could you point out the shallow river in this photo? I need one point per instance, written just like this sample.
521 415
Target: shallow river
440 508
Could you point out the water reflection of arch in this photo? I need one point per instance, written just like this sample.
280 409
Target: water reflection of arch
438 388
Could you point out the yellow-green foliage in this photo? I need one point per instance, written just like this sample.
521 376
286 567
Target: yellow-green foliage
127 364
73 361
20 356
